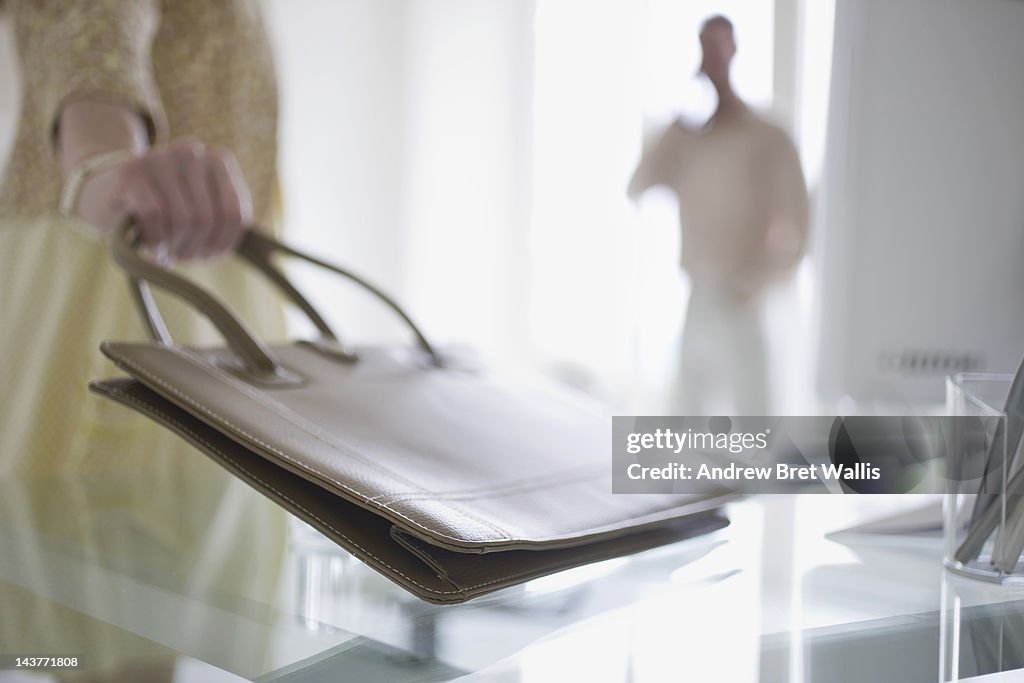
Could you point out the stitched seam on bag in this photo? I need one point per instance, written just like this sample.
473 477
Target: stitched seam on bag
328 440
192 434
204 409
500 489
494 493
541 479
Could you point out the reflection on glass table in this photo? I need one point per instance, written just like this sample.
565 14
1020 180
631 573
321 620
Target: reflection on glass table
182 573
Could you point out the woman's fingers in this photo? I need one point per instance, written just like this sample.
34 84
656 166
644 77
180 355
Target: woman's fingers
189 200
162 172
190 156
234 205
139 199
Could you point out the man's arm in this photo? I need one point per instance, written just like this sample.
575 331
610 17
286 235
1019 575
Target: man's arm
656 163
785 200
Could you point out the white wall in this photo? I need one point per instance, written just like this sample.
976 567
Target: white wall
468 164
405 153
341 74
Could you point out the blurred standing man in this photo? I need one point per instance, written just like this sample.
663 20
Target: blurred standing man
744 211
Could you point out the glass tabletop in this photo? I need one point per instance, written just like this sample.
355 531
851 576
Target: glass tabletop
183 573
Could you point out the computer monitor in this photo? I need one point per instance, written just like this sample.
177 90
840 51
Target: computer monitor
921 212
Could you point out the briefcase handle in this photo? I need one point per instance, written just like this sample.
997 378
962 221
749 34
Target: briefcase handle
256 249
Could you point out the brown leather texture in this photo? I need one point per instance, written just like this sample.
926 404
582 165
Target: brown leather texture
451 482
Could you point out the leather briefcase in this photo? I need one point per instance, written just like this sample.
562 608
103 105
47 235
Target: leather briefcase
452 481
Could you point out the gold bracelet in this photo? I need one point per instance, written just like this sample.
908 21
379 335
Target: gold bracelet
81 172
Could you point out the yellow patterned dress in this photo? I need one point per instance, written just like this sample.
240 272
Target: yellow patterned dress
190 67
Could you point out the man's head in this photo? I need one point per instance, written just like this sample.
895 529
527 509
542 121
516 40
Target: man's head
719 46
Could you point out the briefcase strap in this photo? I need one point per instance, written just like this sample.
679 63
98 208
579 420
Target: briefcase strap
256 249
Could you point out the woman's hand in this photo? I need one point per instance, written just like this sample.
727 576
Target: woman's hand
189 200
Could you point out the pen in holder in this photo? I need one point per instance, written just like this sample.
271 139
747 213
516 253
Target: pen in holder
984 506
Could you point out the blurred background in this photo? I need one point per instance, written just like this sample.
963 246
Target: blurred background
472 157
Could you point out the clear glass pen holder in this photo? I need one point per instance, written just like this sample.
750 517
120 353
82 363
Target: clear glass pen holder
983 512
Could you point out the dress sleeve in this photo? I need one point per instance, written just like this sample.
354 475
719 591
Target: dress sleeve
98 50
